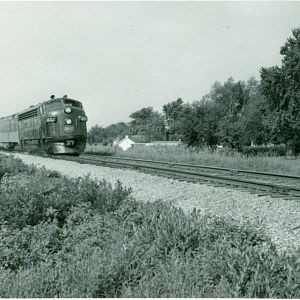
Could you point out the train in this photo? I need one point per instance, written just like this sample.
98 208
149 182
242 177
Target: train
55 126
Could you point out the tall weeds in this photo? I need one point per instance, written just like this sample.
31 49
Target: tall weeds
221 158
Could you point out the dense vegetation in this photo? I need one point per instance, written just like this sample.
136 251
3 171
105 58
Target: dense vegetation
62 237
234 113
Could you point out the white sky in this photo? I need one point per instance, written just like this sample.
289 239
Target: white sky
117 57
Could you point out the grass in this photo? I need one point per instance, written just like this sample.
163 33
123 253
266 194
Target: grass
221 158
62 237
101 150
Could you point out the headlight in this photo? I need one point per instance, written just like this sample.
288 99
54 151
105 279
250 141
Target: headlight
68 121
68 109
83 118
51 119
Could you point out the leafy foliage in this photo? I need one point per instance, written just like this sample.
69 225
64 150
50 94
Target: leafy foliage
173 112
148 123
109 245
281 86
230 115
106 135
145 122
199 124
276 150
96 135
41 197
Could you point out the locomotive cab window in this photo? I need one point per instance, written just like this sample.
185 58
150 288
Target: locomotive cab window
73 103
53 104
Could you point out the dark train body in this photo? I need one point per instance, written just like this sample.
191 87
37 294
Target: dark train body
56 126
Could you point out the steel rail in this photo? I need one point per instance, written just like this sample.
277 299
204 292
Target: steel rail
192 176
196 176
197 166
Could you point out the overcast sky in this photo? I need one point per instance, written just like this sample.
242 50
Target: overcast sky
117 57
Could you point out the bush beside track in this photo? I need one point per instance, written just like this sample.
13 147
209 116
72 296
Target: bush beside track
64 237
271 151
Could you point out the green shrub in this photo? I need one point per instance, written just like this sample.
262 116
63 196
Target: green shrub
170 254
62 237
11 165
40 197
23 248
276 150
101 194
147 250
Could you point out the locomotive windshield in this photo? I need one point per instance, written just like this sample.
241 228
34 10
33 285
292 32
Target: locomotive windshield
53 104
72 102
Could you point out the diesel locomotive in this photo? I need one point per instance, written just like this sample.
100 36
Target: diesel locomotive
55 126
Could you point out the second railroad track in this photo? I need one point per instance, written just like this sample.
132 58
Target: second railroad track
262 183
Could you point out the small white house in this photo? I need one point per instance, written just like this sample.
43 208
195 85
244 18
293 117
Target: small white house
139 141
125 143
128 142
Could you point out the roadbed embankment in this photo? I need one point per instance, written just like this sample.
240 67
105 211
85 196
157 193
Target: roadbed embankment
279 217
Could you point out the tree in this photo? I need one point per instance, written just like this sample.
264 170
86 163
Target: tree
199 123
105 136
148 123
281 87
231 96
117 130
246 122
173 115
233 113
252 121
228 101
190 120
96 135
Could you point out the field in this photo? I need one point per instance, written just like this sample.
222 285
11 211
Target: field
63 237
220 158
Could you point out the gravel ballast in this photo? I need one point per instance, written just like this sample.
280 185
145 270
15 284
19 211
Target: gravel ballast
277 216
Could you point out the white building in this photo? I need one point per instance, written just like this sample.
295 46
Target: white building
128 142
138 141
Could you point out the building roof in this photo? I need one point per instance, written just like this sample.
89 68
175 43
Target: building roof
133 138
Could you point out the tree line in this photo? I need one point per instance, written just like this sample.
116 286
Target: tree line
234 113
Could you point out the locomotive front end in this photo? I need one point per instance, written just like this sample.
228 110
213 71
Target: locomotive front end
65 126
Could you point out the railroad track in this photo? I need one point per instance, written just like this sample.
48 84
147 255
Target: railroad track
261 183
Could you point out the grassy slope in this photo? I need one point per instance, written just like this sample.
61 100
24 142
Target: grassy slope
61 237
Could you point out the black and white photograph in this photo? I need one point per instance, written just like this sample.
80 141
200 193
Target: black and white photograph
150 149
